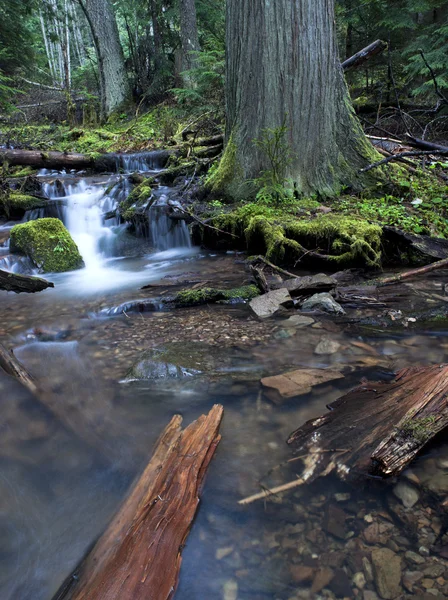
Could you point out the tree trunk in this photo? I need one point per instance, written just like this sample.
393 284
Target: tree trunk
283 68
189 37
114 85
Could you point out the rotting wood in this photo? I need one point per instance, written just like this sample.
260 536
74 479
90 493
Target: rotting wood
11 366
139 555
13 282
382 425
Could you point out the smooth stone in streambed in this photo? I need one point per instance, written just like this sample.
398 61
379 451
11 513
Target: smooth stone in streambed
267 305
410 578
326 346
407 493
230 590
324 302
296 383
298 321
387 573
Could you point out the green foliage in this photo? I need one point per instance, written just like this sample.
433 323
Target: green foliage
188 298
272 185
48 244
420 430
207 89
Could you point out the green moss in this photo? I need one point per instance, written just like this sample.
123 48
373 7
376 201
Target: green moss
221 175
24 172
285 238
212 295
15 204
420 430
48 244
137 198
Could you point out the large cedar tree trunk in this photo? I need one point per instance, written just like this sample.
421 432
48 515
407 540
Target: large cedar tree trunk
189 37
114 85
283 67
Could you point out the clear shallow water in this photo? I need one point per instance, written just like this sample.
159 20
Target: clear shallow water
67 462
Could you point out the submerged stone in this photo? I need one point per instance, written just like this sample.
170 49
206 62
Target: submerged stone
268 304
48 244
301 286
324 302
296 383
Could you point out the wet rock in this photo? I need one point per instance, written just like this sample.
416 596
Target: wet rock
334 521
324 302
387 573
407 493
327 346
414 558
410 578
302 574
435 570
302 286
223 552
341 585
230 590
342 497
427 583
370 595
359 580
367 568
298 321
296 383
268 304
377 533
321 580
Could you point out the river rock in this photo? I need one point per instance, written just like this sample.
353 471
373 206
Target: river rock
324 302
410 578
267 305
414 558
302 286
298 321
407 493
341 585
321 580
302 573
334 521
296 383
387 573
327 346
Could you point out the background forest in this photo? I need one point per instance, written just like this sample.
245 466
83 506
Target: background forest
82 60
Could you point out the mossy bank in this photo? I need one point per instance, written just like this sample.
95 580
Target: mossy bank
48 244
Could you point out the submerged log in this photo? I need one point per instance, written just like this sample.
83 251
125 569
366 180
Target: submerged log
11 366
139 555
377 428
12 282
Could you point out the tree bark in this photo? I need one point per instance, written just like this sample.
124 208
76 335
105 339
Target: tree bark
363 55
283 68
114 84
189 38
139 555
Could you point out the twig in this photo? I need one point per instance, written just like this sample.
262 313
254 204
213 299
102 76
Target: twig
440 264
266 493
434 78
204 224
272 266
399 156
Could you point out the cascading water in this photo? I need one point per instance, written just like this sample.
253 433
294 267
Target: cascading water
166 233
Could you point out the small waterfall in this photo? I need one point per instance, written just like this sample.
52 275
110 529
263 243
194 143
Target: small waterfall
166 233
142 162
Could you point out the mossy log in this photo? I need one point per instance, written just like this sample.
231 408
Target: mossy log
13 282
377 428
207 295
139 555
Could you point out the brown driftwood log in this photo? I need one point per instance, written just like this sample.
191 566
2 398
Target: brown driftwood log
440 264
46 160
10 364
139 555
13 282
363 55
377 428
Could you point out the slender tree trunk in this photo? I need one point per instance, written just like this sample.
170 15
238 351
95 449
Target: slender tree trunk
189 38
283 68
114 85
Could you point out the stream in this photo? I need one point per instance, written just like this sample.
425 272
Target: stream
68 462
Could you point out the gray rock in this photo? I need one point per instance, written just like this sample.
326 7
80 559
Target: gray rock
324 302
359 580
387 573
407 493
309 284
435 570
327 346
298 321
410 578
414 558
268 304
369 595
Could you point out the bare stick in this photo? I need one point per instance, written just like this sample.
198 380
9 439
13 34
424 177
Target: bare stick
271 492
434 78
10 364
440 264
401 155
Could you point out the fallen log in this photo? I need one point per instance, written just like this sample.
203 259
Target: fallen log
46 160
139 555
377 427
11 366
424 145
13 282
363 55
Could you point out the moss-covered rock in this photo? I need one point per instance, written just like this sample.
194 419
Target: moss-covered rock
13 205
212 295
138 198
48 244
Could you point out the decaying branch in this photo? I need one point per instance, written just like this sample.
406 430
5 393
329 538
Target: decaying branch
13 282
365 54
